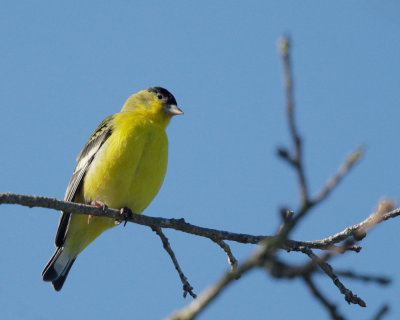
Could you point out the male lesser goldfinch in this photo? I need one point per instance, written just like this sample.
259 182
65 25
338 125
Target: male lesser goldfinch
122 165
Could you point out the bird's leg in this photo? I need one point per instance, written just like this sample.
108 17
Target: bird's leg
127 213
98 204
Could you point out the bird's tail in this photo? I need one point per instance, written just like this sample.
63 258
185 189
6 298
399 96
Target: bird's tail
58 267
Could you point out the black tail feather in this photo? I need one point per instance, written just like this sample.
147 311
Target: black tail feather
57 268
49 273
59 282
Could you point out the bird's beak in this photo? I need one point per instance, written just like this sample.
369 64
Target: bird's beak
173 110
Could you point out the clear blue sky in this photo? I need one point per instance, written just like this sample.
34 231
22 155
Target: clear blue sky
65 66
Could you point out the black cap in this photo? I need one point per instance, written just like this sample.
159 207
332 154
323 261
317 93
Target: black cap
165 93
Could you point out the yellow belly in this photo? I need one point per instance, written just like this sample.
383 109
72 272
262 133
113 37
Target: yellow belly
127 172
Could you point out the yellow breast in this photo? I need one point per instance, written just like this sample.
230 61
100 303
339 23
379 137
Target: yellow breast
130 167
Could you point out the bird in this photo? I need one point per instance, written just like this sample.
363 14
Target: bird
121 166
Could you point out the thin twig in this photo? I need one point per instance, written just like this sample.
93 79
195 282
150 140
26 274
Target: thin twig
358 231
224 246
317 293
364 277
344 169
348 295
260 258
296 160
263 257
187 288
381 312
205 298
384 206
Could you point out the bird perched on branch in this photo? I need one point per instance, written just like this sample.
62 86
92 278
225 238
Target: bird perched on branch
122 165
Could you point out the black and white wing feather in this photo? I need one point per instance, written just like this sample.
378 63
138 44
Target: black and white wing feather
84 159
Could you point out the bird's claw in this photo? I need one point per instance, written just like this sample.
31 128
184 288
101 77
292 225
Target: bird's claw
90 216
126 213
98 204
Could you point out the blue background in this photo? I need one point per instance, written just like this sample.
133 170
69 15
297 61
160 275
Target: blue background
65 66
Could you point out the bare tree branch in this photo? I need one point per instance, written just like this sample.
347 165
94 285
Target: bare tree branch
205 298
224 246
177 224
381 312
357 231
263 257
295 158
364 277
181 225
348 295
337 178
187 288
324 301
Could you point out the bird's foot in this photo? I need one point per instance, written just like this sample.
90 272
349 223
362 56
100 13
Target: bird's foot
126 213
98 204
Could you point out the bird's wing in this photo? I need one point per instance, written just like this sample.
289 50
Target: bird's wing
84 159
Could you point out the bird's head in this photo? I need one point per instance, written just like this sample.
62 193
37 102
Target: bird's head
155 101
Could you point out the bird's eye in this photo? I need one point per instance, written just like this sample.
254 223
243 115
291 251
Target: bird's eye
160 97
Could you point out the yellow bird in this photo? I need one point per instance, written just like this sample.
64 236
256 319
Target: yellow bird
122 165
